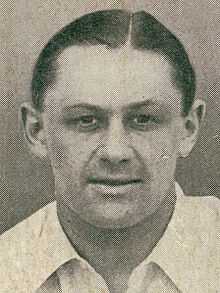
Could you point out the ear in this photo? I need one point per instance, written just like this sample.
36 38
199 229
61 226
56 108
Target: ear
34 130
192 123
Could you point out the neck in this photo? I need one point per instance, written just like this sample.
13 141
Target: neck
116 252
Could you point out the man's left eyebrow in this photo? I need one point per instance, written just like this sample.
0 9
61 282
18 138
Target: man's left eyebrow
148 103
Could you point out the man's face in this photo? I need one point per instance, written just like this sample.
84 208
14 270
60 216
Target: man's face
113 126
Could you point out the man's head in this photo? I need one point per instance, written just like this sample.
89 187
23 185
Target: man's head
113 96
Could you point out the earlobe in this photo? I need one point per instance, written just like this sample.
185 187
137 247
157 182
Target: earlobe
192 123
33 130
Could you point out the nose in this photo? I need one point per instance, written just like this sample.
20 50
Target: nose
116 147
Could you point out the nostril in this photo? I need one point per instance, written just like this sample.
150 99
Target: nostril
104 160
114 165
109 161
124 161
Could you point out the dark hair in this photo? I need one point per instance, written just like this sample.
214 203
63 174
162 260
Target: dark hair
113 28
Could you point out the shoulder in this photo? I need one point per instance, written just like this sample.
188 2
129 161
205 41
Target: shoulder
193 234
197 223
203 209
19 253
199 216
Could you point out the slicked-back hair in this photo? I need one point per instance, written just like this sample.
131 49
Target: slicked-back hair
113 29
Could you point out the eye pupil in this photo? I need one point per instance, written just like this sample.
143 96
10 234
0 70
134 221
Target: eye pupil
142 119
89 119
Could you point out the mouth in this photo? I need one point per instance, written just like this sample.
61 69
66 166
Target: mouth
114 186
114 181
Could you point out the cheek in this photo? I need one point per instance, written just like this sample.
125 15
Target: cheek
158 149
68 151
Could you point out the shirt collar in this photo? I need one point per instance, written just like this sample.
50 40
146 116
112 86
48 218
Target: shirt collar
57 250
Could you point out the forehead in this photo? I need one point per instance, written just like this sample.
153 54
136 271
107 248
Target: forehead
112 77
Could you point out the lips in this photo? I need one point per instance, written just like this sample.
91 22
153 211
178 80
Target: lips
112 187
114 181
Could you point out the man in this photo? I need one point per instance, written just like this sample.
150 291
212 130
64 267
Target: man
113 109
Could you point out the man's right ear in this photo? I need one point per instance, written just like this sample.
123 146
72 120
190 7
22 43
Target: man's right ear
33 130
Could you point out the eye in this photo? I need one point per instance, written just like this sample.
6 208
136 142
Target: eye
87 122
144 121
83 120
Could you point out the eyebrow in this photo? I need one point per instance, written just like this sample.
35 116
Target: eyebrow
147 103
82 105
131 106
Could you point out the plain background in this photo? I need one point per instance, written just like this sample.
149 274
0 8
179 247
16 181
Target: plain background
26 184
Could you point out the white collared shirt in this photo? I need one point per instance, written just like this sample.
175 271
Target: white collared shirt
189 250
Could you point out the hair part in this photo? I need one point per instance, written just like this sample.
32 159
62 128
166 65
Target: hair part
113 29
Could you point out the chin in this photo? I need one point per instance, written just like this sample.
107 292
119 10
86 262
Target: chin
113 219
111 224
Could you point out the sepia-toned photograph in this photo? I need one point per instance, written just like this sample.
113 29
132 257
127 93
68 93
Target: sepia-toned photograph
110 146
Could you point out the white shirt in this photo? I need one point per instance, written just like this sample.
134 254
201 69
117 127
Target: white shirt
189 250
